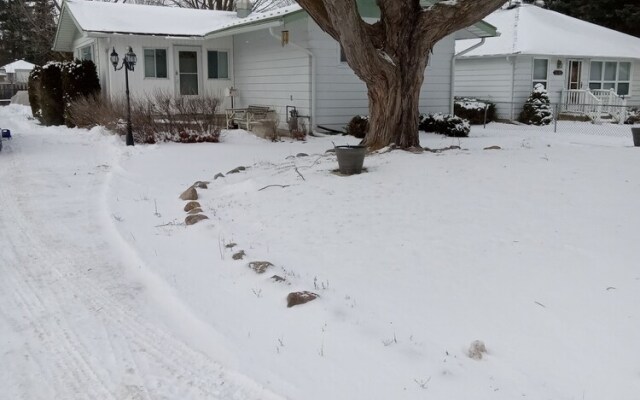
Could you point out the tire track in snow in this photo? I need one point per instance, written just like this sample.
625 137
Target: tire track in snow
155 364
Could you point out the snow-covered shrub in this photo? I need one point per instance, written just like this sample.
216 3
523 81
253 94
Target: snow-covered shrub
473 110
51 94
444 124
79 79
358 126
33 89
633 116
537 108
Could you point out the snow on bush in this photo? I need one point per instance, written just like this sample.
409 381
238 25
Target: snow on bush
444 124
537 108
474 110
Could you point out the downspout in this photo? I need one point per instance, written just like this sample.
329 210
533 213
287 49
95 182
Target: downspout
512 60
312 95
453 69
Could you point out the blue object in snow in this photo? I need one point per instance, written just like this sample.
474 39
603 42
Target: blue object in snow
6 134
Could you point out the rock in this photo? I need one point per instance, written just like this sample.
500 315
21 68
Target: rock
236 170
296 298
278 278
189 194
239 255
218 175
230 245
196 210
476 349
493 148
191 205
201 184
260 267
194 219
302 155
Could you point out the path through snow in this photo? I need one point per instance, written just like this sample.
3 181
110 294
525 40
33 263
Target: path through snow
73 324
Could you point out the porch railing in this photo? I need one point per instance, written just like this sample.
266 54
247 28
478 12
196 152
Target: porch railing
594 103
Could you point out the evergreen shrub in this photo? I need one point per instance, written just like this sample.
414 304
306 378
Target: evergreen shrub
79 79
33 89
537 108
444 124
51 95
473 110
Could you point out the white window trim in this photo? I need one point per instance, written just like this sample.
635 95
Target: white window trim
535 81
154 58
90 47
602 81
229 65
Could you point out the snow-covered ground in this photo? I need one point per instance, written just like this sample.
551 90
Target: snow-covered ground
532 249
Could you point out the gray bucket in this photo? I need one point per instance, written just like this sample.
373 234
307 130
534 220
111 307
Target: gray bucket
350 159
636 136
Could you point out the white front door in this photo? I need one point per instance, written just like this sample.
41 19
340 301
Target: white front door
188 71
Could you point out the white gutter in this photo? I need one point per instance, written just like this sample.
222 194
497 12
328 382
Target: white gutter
244 29
453 69
312 95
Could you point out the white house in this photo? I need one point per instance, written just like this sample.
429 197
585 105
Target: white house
586 68
277 58
17 71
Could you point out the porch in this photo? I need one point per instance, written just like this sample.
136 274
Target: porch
597 105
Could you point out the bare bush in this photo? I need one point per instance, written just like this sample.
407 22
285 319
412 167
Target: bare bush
159 117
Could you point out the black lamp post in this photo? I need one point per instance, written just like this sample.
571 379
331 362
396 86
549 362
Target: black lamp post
128 63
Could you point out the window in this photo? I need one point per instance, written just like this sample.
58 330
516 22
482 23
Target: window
155 63
608 75
343 57
86 53
217 64
540 71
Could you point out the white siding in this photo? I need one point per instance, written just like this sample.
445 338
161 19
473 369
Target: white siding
506 82
266 73
113 82
342 95
634 100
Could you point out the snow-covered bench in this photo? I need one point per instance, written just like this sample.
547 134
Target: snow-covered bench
247 118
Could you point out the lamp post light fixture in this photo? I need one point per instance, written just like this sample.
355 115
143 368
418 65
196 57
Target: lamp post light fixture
129 63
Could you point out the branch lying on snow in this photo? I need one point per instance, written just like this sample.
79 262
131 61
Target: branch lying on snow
298 172
268 186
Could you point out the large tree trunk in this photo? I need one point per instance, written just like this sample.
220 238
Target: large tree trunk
390 56
393 109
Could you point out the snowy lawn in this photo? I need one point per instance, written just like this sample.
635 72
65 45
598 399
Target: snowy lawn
532 249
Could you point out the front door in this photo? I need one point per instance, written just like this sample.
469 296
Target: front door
188 71
574 76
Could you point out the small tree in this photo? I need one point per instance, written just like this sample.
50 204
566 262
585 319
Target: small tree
537 108
51 94
33 88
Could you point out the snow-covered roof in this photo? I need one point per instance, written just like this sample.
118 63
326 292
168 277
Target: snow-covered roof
529 29
139 19
108 18
98 16
18 65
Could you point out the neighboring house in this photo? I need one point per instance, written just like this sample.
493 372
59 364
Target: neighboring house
16 72
587 69
277 58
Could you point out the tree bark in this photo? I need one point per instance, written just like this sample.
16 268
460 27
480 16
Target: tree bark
391 55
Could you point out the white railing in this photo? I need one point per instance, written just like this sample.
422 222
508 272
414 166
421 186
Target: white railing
594 103
612 104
